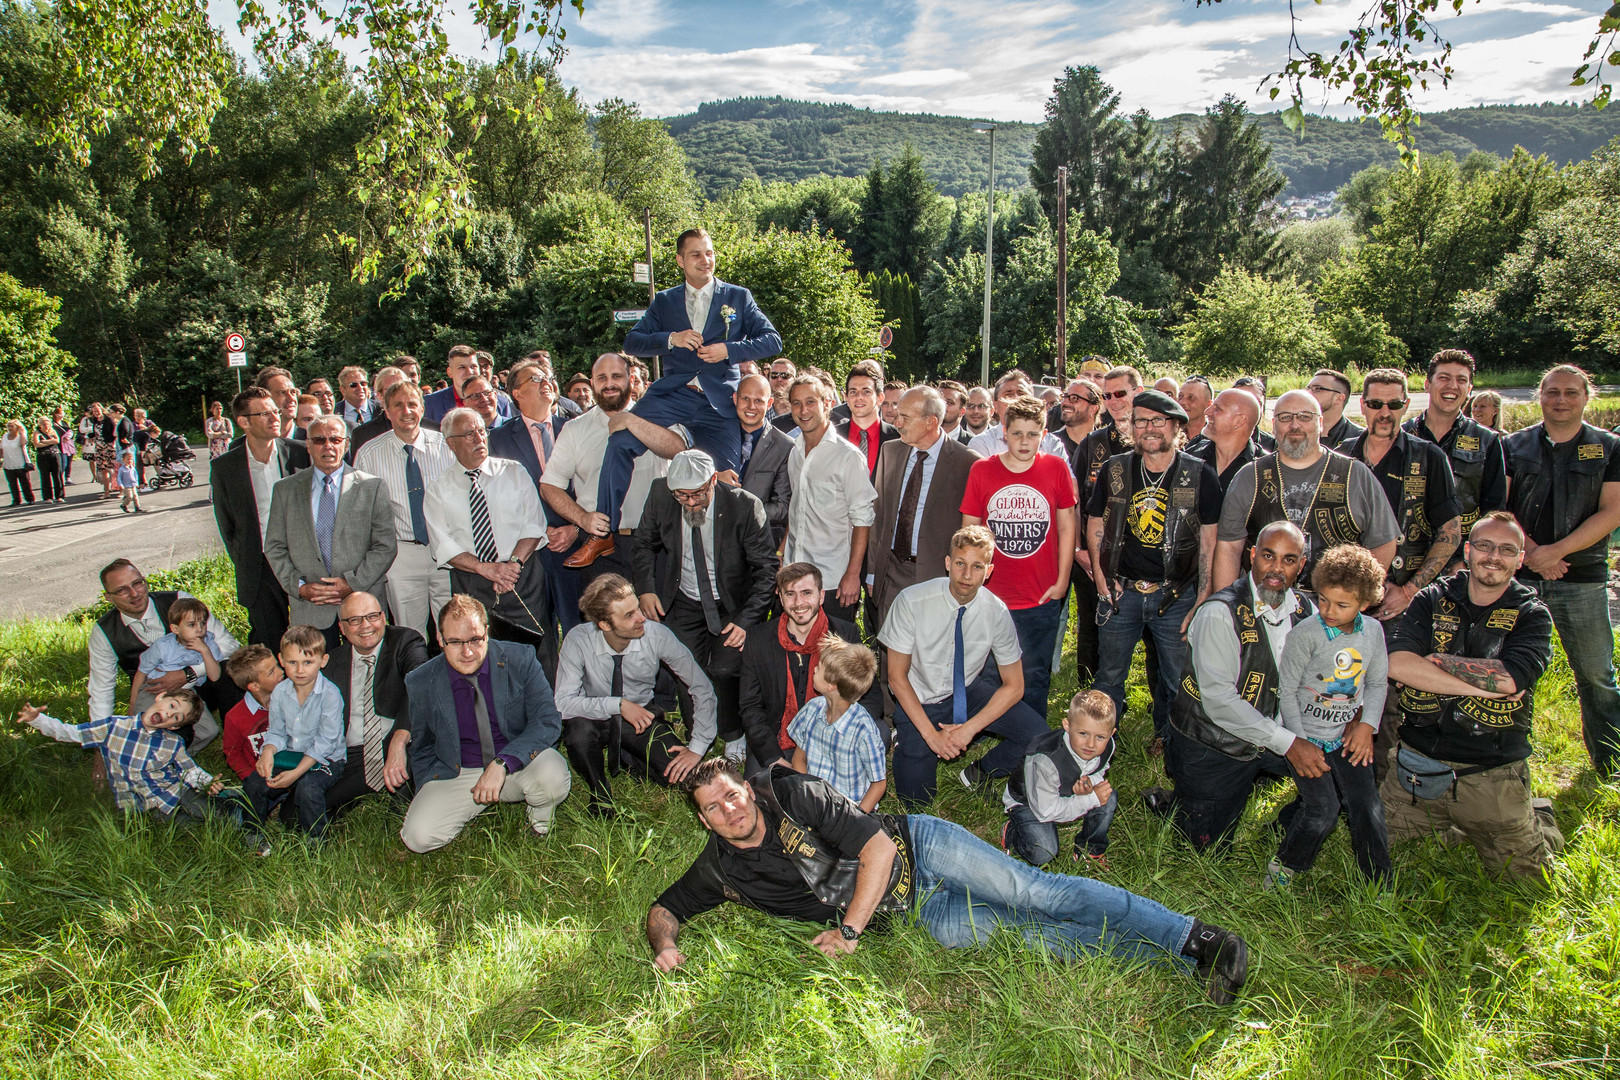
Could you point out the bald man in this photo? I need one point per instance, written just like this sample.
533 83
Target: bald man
1227 442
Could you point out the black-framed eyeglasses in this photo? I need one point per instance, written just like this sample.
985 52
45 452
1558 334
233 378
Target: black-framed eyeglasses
354 622
475 433
487 395
1327 390
463 643
262 412
1293 417
1486 547
1157 423
1081 397
1375 405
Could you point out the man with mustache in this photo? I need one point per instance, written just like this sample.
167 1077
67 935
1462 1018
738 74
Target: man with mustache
1465 718
1478 466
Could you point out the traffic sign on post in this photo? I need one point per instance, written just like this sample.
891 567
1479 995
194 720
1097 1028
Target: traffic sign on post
642 274
235 343
885 337
236 359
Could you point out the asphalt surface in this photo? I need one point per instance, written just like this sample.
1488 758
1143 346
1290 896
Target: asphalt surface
50 555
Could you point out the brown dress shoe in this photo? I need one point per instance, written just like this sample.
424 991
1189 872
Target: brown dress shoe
590 551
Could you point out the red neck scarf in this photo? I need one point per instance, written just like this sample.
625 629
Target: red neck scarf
812 648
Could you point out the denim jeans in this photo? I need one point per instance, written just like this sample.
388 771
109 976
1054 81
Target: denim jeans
1581 614
308 794
967 890
1212 789
1038 629
916 766
1117 644
1346 786
1036 841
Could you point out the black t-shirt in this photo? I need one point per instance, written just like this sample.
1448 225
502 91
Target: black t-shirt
1207 452
1142 556
765 877
1440 502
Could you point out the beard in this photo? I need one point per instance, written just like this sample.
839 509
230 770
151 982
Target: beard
612 399
694 517
1271 597
1297 447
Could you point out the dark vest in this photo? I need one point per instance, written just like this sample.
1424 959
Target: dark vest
1470 444
1259 674
1452 632
1328 521
1180 544
1574 496
1417 532
1095 449
830 876
1053 747
125 645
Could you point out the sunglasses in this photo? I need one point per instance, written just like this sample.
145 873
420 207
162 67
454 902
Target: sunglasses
1115 395
354 385
1375 406
780 376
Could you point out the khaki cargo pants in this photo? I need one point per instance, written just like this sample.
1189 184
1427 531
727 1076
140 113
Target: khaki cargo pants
1492 810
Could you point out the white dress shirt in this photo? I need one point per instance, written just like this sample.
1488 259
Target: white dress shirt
514 509
576 457
1217 658
832 495
698 302
264 478
922 623
357 689
585 677
148 628
384 457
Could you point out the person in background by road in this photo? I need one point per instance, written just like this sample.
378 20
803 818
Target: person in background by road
64 435
14 447
1332 391
1485 409
321 390
218 429
48 457
358 406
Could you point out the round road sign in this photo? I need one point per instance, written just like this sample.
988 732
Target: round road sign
885 337
235 343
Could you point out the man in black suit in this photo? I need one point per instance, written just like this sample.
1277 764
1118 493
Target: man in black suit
368 668
764 470
241 479
705 565
865 429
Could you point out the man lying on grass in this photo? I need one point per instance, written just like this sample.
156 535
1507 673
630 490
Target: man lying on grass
790 846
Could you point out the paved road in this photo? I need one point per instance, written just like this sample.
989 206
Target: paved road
49 555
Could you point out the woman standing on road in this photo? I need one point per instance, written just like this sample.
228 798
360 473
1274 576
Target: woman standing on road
106 451
14 452
218 430
65 442
48 456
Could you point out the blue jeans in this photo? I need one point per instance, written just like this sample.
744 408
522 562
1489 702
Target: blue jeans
667 402
968 890
1038 629
1581 614
1345 787
1116 645
308 795
1036 841
916 766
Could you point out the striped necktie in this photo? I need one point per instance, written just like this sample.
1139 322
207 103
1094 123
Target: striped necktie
371 726
483 532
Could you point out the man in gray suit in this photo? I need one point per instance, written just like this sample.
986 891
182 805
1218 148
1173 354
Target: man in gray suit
331 531
764 470
920 480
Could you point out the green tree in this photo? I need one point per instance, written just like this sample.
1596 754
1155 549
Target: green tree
35 375
1246 323
1084 133
902 217
643 166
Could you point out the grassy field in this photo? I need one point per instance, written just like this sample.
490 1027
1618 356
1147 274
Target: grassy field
131 950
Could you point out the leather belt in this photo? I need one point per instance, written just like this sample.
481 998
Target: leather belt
627 532
1146 587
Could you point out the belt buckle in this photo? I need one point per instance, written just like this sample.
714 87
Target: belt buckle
1146 587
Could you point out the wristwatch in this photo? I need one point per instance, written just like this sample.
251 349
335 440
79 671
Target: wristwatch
849 932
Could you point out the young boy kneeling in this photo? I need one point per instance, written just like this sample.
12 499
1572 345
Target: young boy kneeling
836 737
303 749
254 669
147 763
1062 780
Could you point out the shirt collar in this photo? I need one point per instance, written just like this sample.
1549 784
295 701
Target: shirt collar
604 649
151 613
483 669
933 451
1334 631
1282 611
336 474
252 703
416 443
707 290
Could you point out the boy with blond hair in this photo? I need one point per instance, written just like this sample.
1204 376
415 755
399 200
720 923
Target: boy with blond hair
836 737
1064 778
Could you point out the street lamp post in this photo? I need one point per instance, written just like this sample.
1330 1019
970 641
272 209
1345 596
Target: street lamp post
989 235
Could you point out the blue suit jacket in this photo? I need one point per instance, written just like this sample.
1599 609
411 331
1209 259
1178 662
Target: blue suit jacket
524 709
440 402
510 440
749 335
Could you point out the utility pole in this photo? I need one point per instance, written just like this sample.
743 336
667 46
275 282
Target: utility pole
652 288
989 253
1063 275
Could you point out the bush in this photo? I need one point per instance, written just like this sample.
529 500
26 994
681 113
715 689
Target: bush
35 375
1246 323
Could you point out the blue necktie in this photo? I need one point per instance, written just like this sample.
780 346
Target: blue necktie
959 675
413 490
325 518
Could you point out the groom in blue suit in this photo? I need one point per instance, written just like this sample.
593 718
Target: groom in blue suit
699 373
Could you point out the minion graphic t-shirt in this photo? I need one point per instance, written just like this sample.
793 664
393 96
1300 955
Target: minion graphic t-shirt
1329 677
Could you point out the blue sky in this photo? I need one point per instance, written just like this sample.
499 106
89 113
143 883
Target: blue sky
998 58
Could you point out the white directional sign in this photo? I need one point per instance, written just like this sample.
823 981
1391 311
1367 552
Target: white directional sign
236 359
629 315
643 274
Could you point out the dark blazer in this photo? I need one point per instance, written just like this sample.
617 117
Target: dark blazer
941 512
524 709
762 692
766 477
401 652
237 514
886 434
511 440
748 336
785 424
744 552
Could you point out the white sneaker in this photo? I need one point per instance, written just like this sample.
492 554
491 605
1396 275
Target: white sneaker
737 751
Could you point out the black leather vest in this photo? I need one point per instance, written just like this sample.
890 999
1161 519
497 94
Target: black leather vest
1052 746
1328 521
1452 631
1259 674
125 645
1574 494
1467 445
1180 544
1417 532
1095 449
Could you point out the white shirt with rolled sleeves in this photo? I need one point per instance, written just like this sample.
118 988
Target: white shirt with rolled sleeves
514 509
104 662
1217 661
585 677
832 496
922 624
576 457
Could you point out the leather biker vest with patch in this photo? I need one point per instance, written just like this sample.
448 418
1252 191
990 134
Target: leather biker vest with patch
1328 520
1180 544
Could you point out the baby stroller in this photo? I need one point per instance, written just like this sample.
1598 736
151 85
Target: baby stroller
172 470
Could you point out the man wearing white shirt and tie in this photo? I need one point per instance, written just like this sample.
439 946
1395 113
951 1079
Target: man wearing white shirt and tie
830 515
410 459
484 521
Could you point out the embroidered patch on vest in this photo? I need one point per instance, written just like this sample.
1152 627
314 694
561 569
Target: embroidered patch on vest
1467 442
1589 451
1502 619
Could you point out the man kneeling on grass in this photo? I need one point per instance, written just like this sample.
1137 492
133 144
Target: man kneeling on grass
790 846
146 760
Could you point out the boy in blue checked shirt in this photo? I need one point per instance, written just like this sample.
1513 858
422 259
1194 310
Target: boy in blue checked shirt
147 764
836 737
304 747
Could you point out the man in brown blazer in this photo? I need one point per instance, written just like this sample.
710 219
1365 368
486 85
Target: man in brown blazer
918 509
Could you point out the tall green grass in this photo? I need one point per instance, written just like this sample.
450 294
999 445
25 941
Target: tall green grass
134 950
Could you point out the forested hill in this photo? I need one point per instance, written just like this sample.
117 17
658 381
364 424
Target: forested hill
728 142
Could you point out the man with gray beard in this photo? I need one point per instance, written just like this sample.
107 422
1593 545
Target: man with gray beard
1332 498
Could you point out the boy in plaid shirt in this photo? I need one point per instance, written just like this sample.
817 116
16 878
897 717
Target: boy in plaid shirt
836 738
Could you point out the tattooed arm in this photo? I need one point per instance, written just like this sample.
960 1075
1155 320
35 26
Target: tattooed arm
662 930
1452 676
1398 597
1490 676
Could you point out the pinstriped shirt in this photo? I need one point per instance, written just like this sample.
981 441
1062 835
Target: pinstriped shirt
384 457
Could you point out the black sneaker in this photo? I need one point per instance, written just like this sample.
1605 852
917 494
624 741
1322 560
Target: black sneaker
972 777
1223 959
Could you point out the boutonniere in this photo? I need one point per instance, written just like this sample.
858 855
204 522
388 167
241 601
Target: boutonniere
728 313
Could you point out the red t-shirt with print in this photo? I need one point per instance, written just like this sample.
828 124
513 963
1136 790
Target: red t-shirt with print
1021 509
